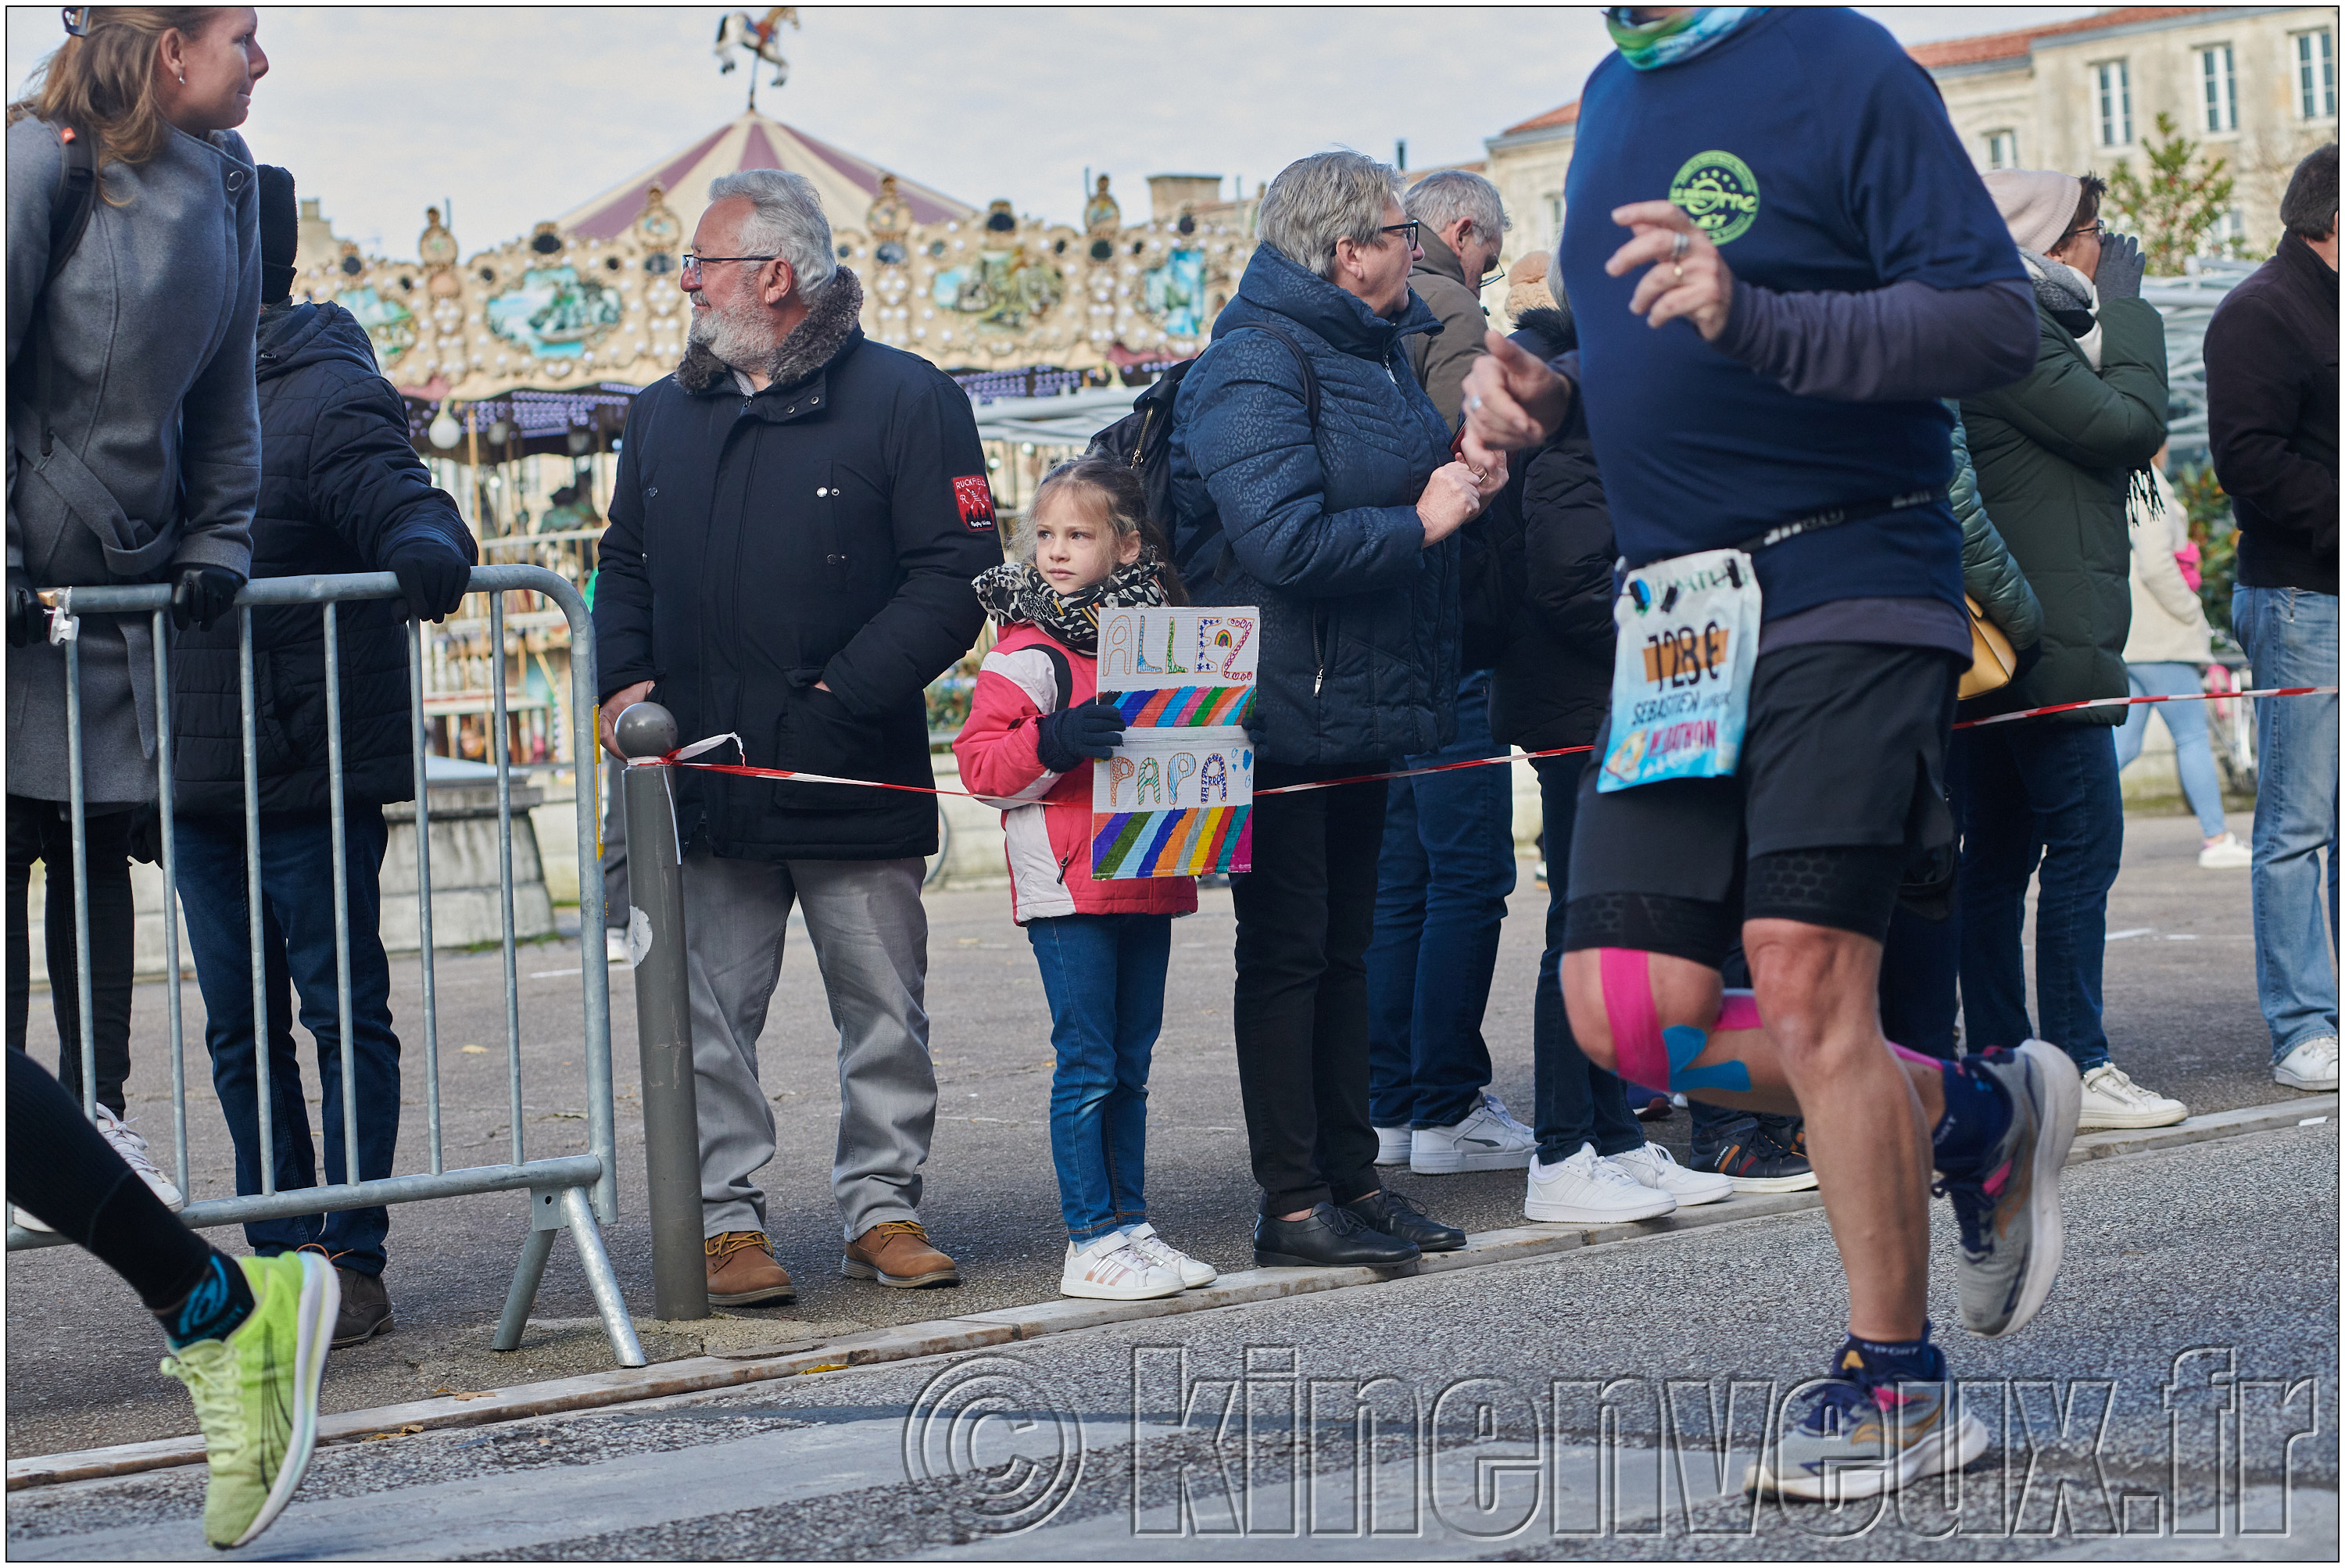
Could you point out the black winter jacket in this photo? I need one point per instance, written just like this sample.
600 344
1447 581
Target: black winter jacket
340 489
825 529
1550 536
2271 417
1360 621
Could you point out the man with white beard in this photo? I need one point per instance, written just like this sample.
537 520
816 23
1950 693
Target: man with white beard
798 514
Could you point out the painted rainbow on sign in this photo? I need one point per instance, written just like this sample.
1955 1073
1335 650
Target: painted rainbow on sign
1190 842
1182 707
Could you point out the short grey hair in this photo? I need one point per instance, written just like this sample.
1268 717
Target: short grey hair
787 221
1440 200
1555 277
1317 201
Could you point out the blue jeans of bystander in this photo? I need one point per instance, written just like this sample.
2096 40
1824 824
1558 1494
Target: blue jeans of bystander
1104 977
2291 636
2194 759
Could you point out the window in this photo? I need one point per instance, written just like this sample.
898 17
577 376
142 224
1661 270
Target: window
1554 218
2315 75
2003 150
2233 233
2218 89
2112 99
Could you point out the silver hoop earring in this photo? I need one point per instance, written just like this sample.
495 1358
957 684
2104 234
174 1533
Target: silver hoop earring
183 78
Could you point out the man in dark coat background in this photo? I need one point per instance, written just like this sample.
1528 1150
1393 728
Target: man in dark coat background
2271 422
798 514
341 490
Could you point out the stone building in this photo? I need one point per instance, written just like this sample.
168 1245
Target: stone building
2256 85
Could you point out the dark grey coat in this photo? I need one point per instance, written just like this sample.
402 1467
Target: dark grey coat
156 458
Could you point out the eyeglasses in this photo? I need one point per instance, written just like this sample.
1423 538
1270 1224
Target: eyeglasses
1408 230
694 263
2098 227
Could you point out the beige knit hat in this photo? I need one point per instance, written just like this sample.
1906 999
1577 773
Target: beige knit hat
1526 285
2036 203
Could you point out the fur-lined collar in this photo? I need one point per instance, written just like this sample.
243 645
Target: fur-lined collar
831 320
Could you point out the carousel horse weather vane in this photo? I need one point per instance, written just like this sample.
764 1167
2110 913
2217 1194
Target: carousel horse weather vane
762 40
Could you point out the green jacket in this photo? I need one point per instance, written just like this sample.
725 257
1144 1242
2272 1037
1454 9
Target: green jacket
1989 574
2053 454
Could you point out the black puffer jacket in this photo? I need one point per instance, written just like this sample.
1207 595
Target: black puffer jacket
1549 535
823 530
340 489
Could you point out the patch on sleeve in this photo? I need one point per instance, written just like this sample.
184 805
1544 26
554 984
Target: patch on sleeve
975 497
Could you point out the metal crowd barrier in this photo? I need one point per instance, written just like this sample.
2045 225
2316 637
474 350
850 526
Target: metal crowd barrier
569 1192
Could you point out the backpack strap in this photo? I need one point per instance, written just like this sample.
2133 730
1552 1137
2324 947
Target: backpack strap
69 208
1060 673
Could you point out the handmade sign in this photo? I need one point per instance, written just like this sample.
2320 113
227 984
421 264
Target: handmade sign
1176 799
1173 803
1167 668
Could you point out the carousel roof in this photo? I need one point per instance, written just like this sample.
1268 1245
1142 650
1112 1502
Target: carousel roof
846 182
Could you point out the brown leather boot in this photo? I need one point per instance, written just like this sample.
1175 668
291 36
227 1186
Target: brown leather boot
896 1252
741 1271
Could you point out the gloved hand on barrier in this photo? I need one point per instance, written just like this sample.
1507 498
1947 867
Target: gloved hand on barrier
433 577
202 595
26 617
1063 740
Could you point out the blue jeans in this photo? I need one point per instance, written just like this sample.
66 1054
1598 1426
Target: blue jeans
2038 793
2291 636
297 935
1447 866
1104 976
2187 722
1575 1101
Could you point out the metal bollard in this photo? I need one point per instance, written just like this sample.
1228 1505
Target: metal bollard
663 1019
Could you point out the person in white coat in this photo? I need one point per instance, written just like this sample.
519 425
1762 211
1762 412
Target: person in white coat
2167 654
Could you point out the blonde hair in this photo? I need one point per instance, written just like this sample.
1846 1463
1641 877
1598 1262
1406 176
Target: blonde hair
103 83
1113 494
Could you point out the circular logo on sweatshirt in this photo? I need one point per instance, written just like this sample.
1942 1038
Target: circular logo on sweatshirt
1718 192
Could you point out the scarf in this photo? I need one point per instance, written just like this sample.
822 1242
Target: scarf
1650 46
1014 592
2069 298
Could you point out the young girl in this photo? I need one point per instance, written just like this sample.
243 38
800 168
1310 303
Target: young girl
1033 729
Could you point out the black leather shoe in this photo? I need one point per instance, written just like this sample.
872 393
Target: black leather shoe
1389 1212
1327 1238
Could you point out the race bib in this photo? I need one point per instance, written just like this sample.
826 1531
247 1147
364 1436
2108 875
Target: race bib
1681 668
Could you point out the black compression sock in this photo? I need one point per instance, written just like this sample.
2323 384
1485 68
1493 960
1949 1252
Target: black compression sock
220 1301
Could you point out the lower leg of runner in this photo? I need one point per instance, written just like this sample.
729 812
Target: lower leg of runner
71 1179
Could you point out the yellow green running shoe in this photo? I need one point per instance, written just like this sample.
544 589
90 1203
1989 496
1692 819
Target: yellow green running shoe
256 1393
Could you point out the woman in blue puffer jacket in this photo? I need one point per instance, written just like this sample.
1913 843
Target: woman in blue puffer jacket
1340 531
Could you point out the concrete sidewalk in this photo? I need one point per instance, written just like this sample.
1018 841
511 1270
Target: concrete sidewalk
2181 1011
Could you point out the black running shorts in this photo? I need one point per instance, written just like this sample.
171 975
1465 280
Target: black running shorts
1838 791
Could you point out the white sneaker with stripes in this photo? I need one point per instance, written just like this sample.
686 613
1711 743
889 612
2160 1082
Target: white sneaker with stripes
1193 1271
1112 1269
133 1150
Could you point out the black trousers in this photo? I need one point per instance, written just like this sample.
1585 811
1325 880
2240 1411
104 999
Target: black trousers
74 1183
1305 914
40 831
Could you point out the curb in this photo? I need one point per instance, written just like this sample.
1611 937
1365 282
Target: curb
977 1331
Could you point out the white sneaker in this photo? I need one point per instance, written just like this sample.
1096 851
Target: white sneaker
1654 1166
1112 1269
1392 1145
2312 1064
1488 1140
2227 854
24 1217
614 948
133 1150
1193 1271
1589 1189
2112 1099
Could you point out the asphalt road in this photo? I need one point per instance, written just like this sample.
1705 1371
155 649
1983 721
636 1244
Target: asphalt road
81 1352
2177 1397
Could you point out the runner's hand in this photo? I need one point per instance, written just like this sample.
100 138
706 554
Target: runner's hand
1697 285
1512 400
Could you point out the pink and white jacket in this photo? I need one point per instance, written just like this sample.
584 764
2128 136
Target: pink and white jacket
1046 816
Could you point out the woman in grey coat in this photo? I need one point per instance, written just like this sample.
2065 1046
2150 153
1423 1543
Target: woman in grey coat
134 450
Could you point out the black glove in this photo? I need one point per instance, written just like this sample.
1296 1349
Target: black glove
203 596
27 618
2119 276
432 575
1063 740
2026 658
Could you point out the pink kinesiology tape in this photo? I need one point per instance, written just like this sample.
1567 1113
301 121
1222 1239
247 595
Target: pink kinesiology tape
1738 1010
1637 1049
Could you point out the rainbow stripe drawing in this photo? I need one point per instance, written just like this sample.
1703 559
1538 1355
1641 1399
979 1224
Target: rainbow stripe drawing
1176 799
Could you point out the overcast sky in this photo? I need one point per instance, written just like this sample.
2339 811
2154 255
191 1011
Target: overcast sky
514 115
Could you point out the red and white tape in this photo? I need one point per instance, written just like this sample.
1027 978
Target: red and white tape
681 757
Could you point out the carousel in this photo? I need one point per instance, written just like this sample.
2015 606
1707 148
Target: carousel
519 361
